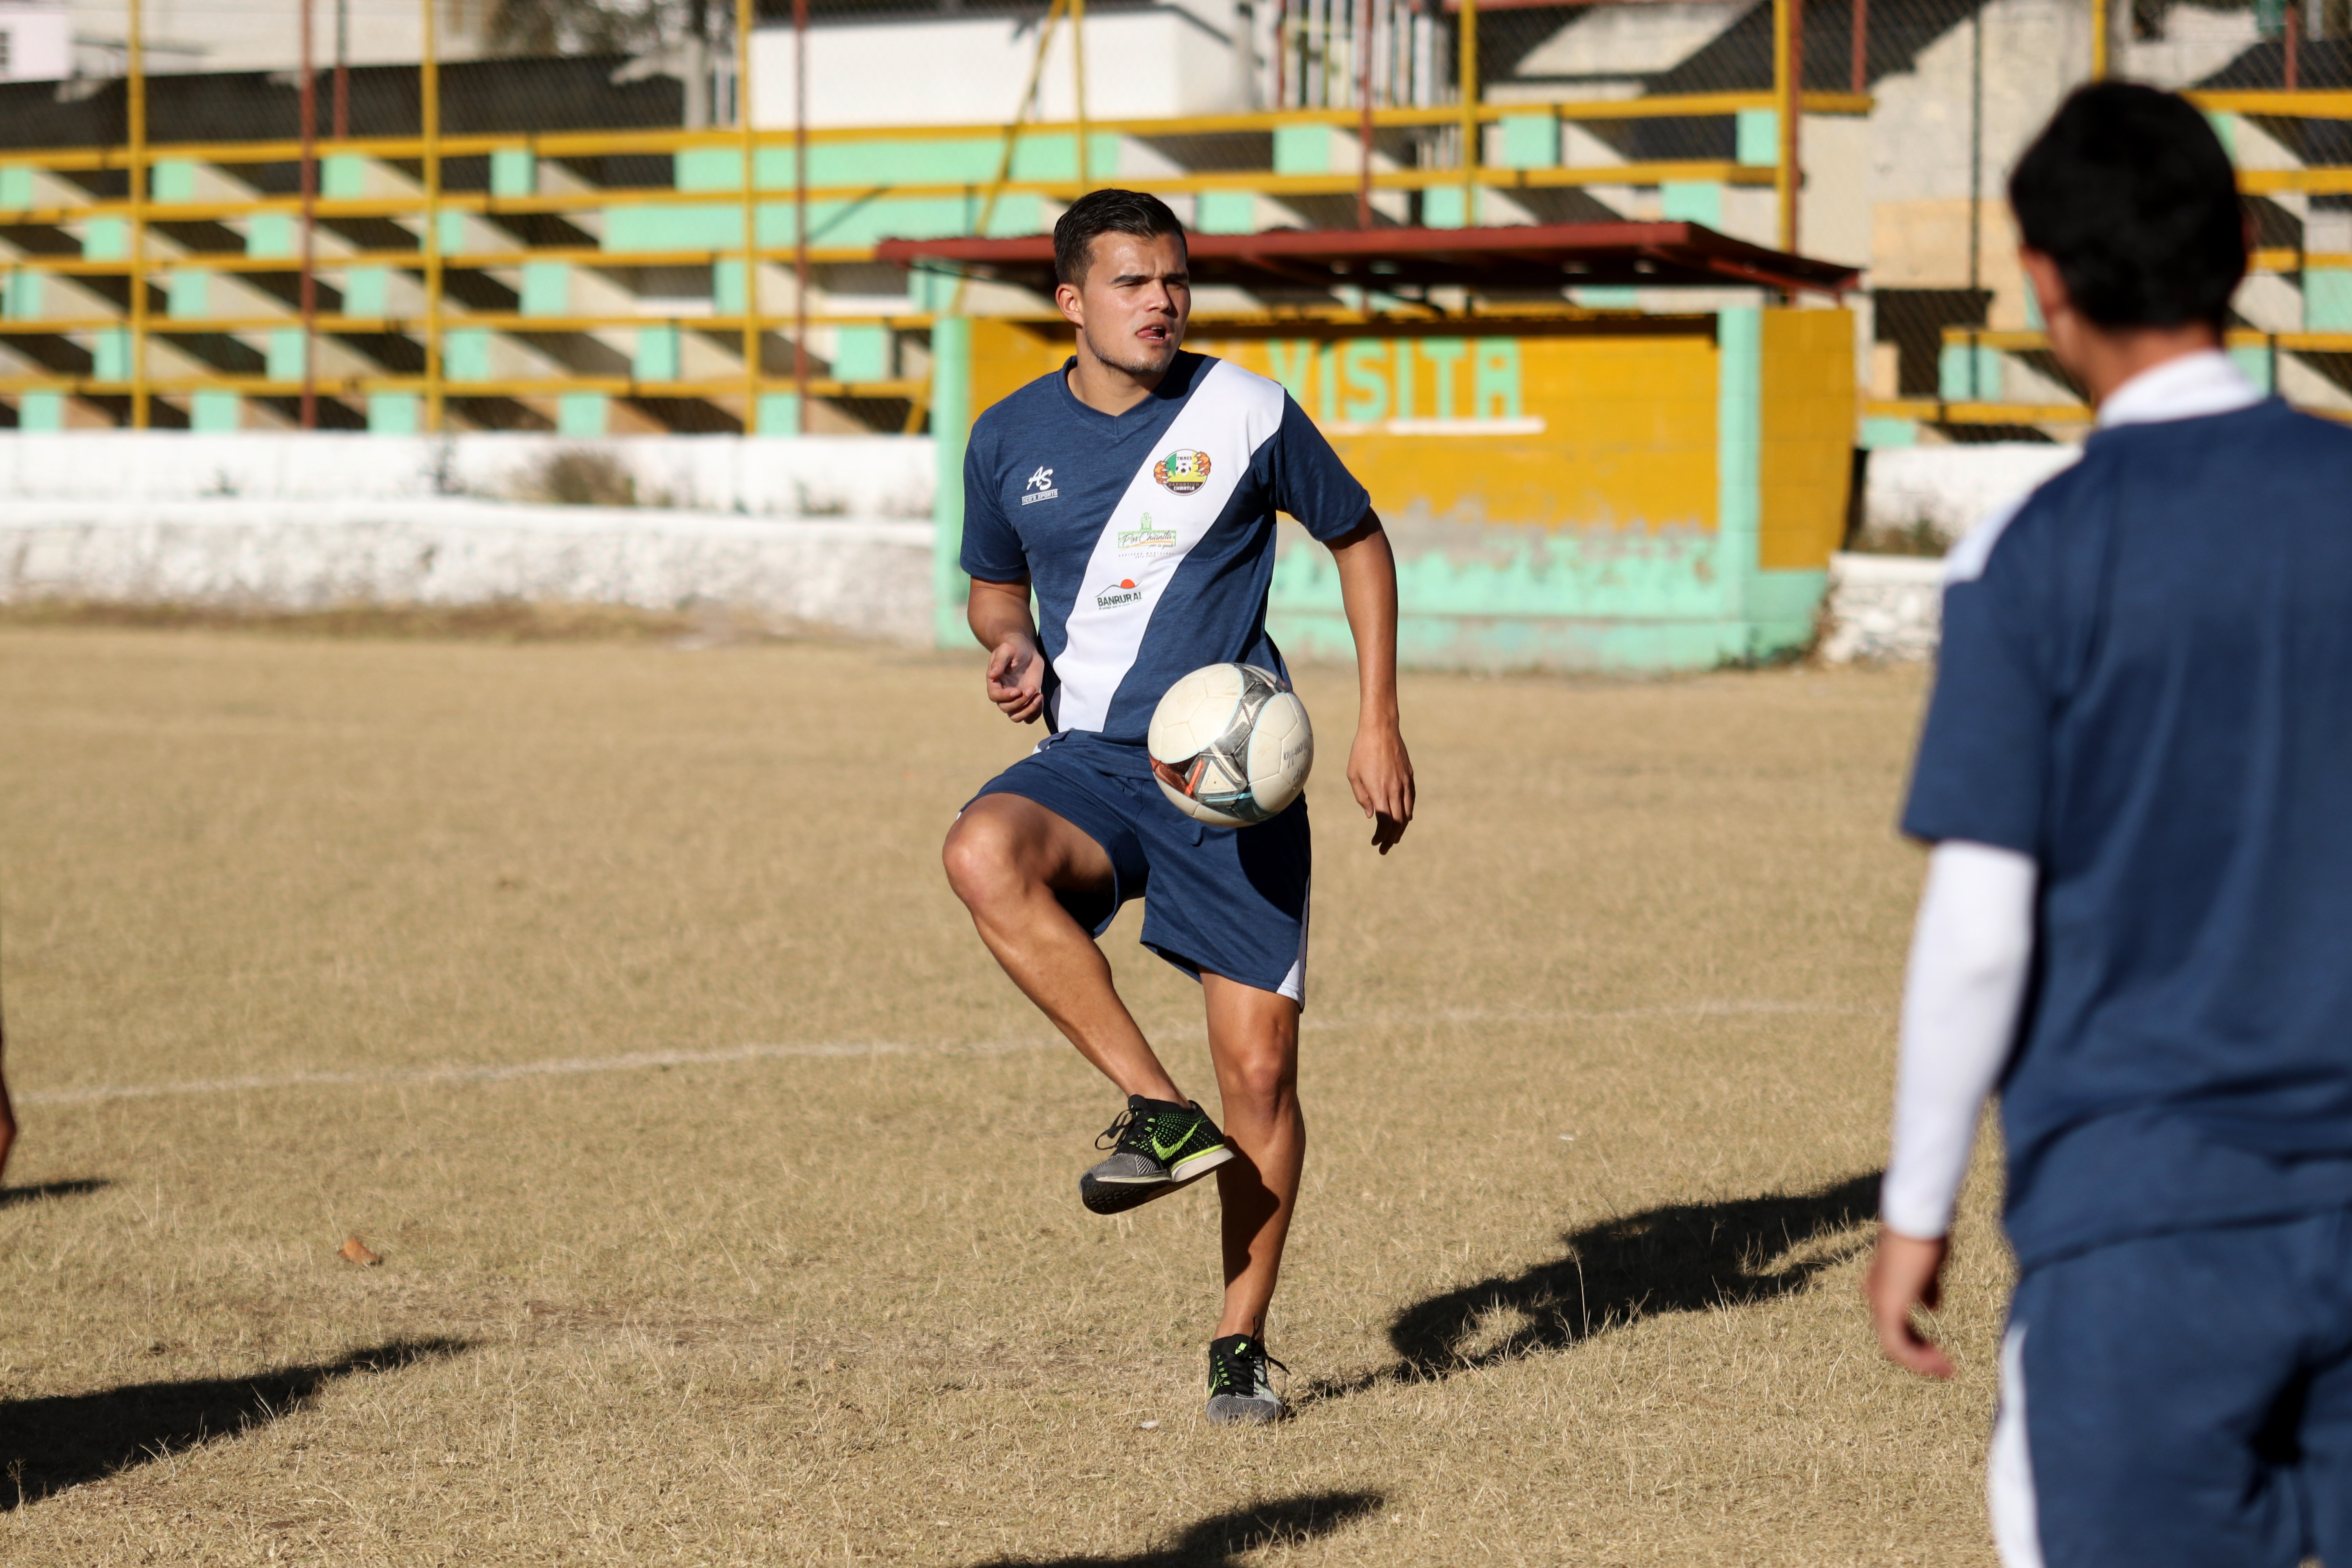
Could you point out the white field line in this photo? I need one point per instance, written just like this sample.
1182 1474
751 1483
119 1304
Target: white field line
459 1072
638 1061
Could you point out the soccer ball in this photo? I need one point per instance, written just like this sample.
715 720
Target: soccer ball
1230 744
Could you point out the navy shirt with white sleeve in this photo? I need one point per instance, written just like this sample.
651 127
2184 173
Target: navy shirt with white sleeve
2145 685
1148 536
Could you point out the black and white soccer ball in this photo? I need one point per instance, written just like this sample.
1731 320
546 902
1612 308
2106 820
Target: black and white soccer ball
1230 744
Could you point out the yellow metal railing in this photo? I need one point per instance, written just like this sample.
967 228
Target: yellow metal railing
431 256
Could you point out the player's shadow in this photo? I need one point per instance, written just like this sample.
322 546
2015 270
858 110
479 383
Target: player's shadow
49 1445
1682 1257
1221 1539
12 1197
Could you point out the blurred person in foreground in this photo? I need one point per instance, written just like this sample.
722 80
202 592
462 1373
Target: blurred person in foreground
2137 777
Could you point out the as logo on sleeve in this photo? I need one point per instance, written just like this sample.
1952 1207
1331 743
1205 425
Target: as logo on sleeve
1182 470
1123 592
1039 488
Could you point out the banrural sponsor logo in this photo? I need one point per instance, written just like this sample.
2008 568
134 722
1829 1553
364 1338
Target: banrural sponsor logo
1123 592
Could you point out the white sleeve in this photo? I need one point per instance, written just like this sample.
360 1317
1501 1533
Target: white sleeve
1970 955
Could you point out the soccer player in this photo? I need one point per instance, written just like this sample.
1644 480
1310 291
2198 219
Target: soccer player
1133 492
2137 777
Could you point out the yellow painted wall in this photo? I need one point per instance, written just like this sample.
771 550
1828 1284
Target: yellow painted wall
1546 423
1808 416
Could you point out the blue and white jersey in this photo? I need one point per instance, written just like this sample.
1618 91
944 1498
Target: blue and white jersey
2145 685
1148 537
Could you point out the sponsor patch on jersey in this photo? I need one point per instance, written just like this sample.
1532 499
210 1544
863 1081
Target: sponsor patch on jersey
1145 539
1039 488
1123 592
1182 470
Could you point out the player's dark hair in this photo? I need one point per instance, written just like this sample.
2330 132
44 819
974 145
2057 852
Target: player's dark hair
2129 191
1106 212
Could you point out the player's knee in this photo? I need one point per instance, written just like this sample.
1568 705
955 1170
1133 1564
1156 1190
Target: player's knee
981 858
1266 1079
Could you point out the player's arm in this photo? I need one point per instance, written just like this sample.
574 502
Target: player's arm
999 616
1379 768
1971 954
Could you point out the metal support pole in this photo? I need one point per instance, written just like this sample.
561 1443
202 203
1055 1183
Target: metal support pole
2294 45
429 93
2102 24
309 203
1364 104
747 147
800 214
1975 181
135 106
343 68
1861 83
1471 152
1078 71
1788 74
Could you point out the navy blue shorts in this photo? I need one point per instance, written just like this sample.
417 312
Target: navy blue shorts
1218 900
2182 1399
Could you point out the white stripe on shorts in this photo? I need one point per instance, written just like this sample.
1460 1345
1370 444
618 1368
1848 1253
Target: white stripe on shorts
2009 1477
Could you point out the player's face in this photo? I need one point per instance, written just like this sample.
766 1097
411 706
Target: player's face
1132 307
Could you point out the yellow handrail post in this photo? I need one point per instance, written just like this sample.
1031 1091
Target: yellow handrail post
429 94
2102 23
800 216
1471 152
1078 72
135 107
743 12
1788 69
310 287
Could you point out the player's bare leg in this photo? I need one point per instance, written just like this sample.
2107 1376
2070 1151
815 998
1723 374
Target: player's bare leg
1253 1041
1006 858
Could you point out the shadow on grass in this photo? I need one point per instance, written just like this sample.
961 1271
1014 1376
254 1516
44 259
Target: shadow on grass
1221 1538
1682 1257
11 1197
49 1445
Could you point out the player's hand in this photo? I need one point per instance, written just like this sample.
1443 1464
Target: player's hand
1380 773
1907 1272
1016 678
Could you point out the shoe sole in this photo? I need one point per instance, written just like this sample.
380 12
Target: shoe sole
1117 1197
1232 1410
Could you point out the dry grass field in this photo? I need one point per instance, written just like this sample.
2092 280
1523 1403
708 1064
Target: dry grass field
726 1193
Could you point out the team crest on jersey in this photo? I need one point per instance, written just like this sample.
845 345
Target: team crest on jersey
1123 592
1182 470
1145 539
1039 488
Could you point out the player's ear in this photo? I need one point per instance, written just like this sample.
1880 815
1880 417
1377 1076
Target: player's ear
1073 307
2049 285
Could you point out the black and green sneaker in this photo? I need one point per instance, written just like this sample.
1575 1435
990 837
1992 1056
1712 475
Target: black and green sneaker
1239 1389
1157 1146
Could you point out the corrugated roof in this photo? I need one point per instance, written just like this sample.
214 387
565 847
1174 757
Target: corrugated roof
1517 256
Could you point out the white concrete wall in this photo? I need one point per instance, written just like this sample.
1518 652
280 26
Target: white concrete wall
1883 609
306 522
1952 488
1168 60
847 476
872 579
